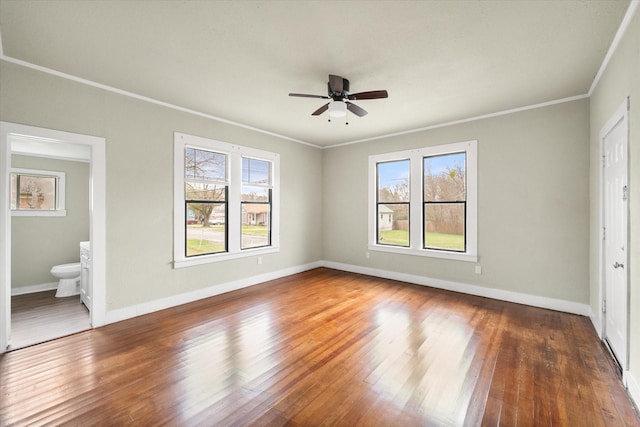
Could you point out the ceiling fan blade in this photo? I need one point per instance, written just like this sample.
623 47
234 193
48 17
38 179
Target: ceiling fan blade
321 110
304 95
336 83
372 94
355 109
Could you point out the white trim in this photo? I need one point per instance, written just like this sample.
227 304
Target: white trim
5 241
198 294
234 155
464 288
633 386
416 156
595 321
32 289
97 218
220 119
470 119
147 99
633 6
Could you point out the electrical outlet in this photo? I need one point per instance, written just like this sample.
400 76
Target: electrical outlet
367 255
259 260
478 269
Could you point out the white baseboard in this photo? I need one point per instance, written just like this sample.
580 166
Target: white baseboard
163 303
31 289
633 386
596 321
499 294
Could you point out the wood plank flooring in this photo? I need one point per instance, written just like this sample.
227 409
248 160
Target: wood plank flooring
40 317
323 348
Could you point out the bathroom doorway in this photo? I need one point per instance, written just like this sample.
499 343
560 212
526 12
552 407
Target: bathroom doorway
29 142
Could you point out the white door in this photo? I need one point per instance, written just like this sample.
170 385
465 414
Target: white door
615 267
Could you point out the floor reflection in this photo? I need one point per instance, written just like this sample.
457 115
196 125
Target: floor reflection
424 364
225 357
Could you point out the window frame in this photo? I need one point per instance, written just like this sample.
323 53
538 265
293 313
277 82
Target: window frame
269 202
233 221
416 208
60 189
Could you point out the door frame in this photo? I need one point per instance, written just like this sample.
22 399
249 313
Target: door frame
621 114
97 219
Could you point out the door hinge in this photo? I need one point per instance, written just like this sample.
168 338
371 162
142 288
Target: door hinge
604 305
604 161
604 233
625 192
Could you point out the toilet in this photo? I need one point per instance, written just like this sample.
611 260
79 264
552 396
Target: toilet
69 279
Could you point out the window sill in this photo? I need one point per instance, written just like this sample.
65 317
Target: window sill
457 256
208 259
60 212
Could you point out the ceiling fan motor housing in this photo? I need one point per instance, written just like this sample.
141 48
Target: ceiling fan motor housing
338 96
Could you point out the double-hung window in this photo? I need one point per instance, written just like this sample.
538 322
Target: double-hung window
225 201
206 188
424 201
256 203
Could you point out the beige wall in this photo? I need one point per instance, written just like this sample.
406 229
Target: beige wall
533 203
139 199
38 243
621 79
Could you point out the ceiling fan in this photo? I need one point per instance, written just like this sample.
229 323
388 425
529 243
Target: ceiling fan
338 93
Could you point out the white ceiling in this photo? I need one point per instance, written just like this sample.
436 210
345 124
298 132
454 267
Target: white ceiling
440 61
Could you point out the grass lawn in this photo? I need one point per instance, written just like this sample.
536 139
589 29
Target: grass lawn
255 230
434 240
394 237
197 247
445 241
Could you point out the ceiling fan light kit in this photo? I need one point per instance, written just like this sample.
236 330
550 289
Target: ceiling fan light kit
337 109
338 93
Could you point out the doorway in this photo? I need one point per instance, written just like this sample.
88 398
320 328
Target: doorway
614 144
97 227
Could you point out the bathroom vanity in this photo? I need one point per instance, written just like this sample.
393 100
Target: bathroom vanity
85 274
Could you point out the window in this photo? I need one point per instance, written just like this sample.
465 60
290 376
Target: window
424 201
37 193
445 203
393 203
225 201
205 193
256 203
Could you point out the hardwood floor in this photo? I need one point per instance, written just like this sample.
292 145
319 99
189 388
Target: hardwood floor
40 317
323 348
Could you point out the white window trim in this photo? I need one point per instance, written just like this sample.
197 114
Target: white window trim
60 209
233 222
415 210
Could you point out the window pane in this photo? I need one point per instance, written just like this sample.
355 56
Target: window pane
35 192
256 171
202 191
256 225
202 236
444 226
393 181
204 165
255 194
444 178
393 224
